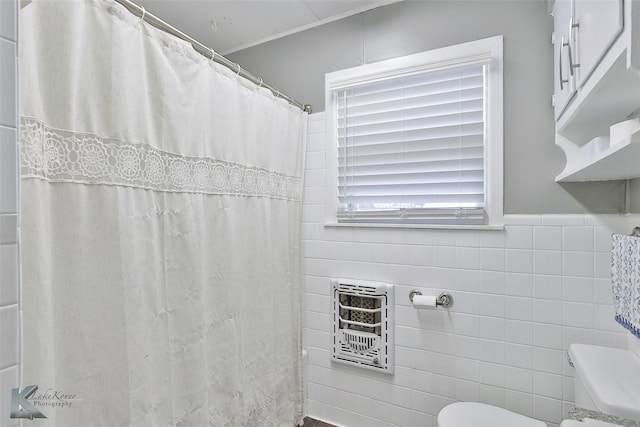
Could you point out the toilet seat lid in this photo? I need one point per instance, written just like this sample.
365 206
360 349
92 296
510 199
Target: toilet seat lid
473 414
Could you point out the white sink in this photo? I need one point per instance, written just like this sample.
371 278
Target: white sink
610 377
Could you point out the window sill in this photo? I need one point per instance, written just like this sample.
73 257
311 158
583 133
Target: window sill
415 226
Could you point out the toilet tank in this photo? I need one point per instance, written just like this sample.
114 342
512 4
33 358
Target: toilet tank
607 380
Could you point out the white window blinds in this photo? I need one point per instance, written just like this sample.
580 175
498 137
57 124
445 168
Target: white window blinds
411 149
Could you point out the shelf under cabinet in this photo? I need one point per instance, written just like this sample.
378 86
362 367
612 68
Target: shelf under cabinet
621 160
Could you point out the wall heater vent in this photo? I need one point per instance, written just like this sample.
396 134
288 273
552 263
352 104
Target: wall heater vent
362 329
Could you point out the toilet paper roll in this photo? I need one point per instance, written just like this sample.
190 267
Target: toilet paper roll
424 301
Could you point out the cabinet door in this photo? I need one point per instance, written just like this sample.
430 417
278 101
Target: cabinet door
597 24
564 87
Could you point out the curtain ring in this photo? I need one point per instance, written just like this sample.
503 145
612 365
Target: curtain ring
260 82
144 13
278 95
213 53
238 72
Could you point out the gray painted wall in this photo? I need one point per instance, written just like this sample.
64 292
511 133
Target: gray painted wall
297 65
634 188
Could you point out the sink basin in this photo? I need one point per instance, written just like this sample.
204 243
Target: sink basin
610 377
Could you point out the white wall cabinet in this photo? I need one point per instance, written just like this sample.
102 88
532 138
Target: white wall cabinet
595 26
597 86
564 87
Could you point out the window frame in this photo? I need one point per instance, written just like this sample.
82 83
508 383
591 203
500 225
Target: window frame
487 51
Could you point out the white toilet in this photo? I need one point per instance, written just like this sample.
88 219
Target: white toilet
606 380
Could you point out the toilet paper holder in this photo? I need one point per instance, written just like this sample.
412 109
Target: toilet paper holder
444 299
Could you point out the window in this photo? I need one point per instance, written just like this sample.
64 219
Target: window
418 139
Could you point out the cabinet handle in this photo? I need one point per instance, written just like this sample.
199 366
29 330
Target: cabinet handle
572 66
562 80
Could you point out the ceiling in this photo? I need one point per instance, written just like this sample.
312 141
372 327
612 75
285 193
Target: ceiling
231 25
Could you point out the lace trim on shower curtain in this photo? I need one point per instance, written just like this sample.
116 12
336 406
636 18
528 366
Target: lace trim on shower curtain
65 156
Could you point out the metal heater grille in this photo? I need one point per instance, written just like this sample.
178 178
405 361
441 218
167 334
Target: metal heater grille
362 321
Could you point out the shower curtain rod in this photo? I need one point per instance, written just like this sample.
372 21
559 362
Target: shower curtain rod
208 52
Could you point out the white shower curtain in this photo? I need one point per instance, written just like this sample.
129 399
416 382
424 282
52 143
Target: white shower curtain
160 229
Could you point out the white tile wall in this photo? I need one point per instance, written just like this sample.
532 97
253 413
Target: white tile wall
9 267
522 295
